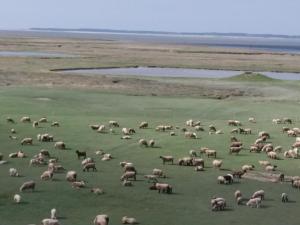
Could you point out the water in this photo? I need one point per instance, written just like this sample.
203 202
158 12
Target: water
33 54
177 72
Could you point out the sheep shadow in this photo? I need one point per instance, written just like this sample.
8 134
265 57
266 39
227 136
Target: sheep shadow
24 203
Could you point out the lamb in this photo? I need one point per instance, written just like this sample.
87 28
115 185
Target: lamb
143 142
143 125
101 220
25 119
172 133
71 176
246 167
199 168
94 126
53 213
78 184
17 198
217 163
185 161
13 172
270 168
127 175
221 180
167 158
284 197
237 194
128 220
60 145
27 185
254 202
235 150
47 175
13 131
208 152
162 188
35 124
50 222
106 157
272 155
218 203
158 173
151 143
259 194
190 135
113 123
97 191
89 166
27 141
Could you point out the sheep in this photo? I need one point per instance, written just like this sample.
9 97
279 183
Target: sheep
71 176
235 150
219 132
127 175
264 134
129 167
106 157
35 124
237 194
43 120
291 154
199 168
143 125
55 124
189 123
264 163
50 222
162 188
270 168
272 155
94 126
78 184
101 220
53 213
47 175
246 167
60 145
13 172
27 141
296 182
234 131
254 202
277 121
126 137
128 220
259 194
10 120
192 153
25 119
217 163
252 120
12 137
13 131
143 142
80 154
101 129
226 179
172 133
167 158
89 166
158 173
151 143
287 120
221 180
27 185
284 197
238 173
185 161
36 162
127 183
291 133
113 123
87 160
198 162
97 191
277 148
218 203
190 135
208 152
296 144
17 198
239 200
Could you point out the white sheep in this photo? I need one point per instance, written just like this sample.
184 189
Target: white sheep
13 172
254 202
217 163
53 213
128 220
50 222
101 220
17 198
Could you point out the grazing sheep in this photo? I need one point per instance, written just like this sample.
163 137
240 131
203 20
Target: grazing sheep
143 125
101 129
158 173
270 168
199 168
217 163
162 188
17 198
78 184
185 161
246 167
292 153
287 120
87 160
264 163
43 120
128 131
208 152
47 175
36 162
55 124
151 143
27 185
13 172
252 120
264 134
296 182
291 133
172 133
127 183
128 220
235 150
277 121
129 167
278 149
284 197
234 131
143 142
53 213
101 220
80 154
167 158
60 145
27 141
89 166
219 132
239 200
97 191
50 222
94 126
198 162
221 180
113 123
127 175
245 131
259 194
71 176
192 153
190 135
35 124
10 120
272 155
199 128
12 137
106 157
254 202
151 178
25 119
238 173
218 204
237 194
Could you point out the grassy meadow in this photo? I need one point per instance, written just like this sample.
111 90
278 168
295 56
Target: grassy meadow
190 204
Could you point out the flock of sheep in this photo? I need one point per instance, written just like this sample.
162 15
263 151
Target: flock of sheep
260 144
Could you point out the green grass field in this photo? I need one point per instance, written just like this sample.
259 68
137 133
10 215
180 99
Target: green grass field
190 203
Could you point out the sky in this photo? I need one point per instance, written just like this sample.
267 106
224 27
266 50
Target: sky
245 16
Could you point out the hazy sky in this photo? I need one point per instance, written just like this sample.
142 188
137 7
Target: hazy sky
249 16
